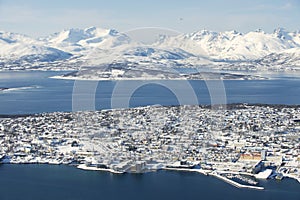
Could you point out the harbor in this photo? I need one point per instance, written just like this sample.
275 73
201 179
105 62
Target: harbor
238 185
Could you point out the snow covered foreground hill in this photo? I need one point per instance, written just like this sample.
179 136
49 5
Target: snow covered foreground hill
71 49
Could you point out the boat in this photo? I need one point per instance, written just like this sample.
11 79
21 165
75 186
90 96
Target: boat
279 176
245 179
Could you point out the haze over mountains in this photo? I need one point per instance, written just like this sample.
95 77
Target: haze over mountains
70 49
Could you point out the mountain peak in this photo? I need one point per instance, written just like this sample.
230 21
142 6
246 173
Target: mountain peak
113 32
97 32
280 30
10 37
90 29
259 30
75 35
281 33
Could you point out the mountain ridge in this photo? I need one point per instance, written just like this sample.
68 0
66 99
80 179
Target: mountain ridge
90 45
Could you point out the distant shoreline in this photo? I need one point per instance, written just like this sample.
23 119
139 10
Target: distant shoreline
206 76
230 106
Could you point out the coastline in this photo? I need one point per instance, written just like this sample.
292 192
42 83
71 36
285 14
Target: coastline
200 171
229 106
214 173
54 178
153 79
84 167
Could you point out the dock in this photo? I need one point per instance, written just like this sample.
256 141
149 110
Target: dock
201 171
84 167
231 182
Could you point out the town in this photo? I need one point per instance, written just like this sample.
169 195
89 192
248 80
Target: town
238 143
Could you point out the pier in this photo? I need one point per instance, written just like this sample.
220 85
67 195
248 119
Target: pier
238 185
84 167
201 171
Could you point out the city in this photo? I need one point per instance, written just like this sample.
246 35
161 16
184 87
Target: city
239 143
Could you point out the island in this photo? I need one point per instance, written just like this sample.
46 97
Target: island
238 143
134 71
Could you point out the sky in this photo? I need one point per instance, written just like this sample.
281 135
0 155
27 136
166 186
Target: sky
43 17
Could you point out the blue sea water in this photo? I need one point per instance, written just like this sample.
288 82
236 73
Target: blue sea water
50 182
35 92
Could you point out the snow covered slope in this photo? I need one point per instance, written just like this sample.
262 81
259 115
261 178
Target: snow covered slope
20 47
234 46
77 40
289 59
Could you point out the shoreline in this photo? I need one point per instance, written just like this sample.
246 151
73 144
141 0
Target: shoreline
214 173
200 171
228 106
155 79
84 167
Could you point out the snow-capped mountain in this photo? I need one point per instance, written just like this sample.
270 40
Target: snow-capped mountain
93 46
76 40
234 46
283 60
19 47
156 53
